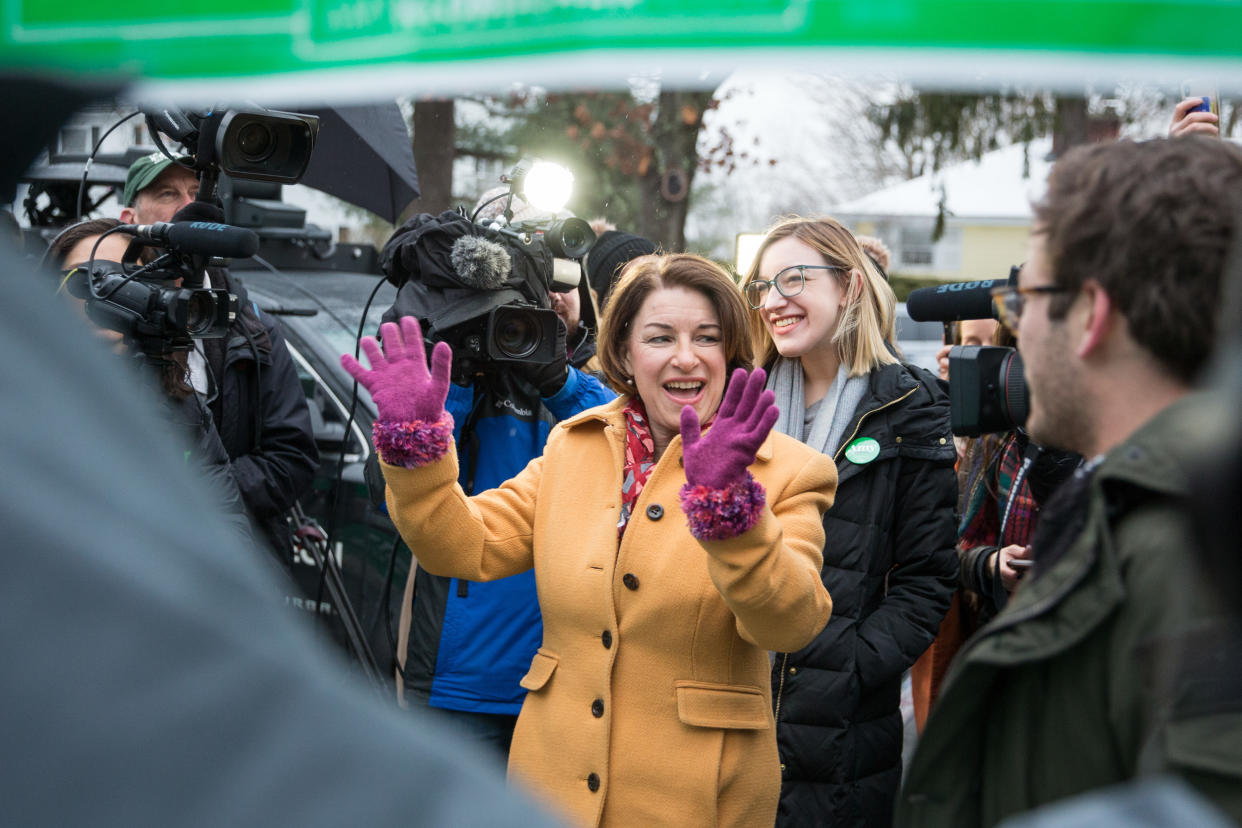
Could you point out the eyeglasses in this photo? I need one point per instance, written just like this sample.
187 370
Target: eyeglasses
789 283
1010 301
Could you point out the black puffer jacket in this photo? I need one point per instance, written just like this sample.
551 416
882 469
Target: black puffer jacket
891 568
262 418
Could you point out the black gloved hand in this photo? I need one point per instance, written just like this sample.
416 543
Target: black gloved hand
549 377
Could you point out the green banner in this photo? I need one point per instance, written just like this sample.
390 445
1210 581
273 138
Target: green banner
232 38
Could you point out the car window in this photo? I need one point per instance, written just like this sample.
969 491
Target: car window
907 328
329 415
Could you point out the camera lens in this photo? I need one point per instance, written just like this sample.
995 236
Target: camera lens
1015 394
517 336
200 312
570 238
256 141
573 237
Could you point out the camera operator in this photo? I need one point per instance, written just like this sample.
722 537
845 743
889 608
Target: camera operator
464 646
1002 481
1100 667
70 252
247 377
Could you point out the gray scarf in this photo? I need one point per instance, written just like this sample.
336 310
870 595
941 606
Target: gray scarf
835 410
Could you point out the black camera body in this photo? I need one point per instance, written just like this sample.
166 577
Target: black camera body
161 305
515 332
482 289
257 144
152 308
987 390
987 384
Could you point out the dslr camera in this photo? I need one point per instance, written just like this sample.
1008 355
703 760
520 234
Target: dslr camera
987 384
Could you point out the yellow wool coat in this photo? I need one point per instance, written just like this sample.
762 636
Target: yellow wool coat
649 702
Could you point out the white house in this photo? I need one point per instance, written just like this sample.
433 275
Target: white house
987 205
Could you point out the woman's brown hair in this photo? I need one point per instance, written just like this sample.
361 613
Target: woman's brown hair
647 274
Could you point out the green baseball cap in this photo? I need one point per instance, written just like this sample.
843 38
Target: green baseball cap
144 171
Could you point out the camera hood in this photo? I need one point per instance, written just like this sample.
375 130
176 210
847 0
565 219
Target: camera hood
421 250
445 309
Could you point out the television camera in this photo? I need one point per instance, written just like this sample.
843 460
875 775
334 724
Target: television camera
149 304
987 384
161 304
484 287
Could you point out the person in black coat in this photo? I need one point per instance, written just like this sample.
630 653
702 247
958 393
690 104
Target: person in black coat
248 378
70 252
823 321
261 414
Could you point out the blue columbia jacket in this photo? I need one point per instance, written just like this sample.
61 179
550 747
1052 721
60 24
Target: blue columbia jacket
471 643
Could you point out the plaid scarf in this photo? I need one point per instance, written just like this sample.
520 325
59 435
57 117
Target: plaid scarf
639 460
1006 518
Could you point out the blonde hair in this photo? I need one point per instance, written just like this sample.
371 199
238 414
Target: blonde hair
867 324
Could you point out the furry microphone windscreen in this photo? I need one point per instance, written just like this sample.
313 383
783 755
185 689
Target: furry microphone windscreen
480 263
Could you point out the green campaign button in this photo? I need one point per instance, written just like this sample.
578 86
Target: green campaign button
862 451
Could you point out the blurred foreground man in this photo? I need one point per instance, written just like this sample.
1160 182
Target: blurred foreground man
1107 662
150 676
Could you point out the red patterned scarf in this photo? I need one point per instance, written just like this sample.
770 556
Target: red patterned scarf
639 459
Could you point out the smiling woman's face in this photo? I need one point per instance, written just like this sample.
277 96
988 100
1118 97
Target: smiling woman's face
677 358
805 323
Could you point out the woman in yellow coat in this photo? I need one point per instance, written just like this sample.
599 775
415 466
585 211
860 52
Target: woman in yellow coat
675 541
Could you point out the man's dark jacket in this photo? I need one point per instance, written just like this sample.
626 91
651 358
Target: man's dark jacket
1115 661
261 414
891 568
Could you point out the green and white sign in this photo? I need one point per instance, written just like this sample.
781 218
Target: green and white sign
206 39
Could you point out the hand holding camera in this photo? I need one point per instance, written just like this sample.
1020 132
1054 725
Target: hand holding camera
548 377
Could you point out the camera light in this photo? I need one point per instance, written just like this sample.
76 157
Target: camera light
547 186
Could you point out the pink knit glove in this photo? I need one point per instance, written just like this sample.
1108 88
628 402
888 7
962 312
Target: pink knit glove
721 499
743 421
412 428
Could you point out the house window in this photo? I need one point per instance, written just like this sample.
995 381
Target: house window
917 253
917 248
95 133
73 139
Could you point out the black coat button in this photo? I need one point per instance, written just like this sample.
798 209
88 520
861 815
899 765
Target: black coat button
593 782
655 511
597 708
606 637
630 580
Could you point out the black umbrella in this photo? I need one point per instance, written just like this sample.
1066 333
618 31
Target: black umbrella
364 155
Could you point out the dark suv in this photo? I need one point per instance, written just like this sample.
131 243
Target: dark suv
320 310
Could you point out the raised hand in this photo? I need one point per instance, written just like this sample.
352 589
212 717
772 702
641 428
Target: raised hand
1185 122
399 382
743 421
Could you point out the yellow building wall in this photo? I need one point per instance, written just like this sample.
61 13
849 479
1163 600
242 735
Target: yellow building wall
988 252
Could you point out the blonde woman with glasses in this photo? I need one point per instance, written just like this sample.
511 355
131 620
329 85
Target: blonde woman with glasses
822 317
